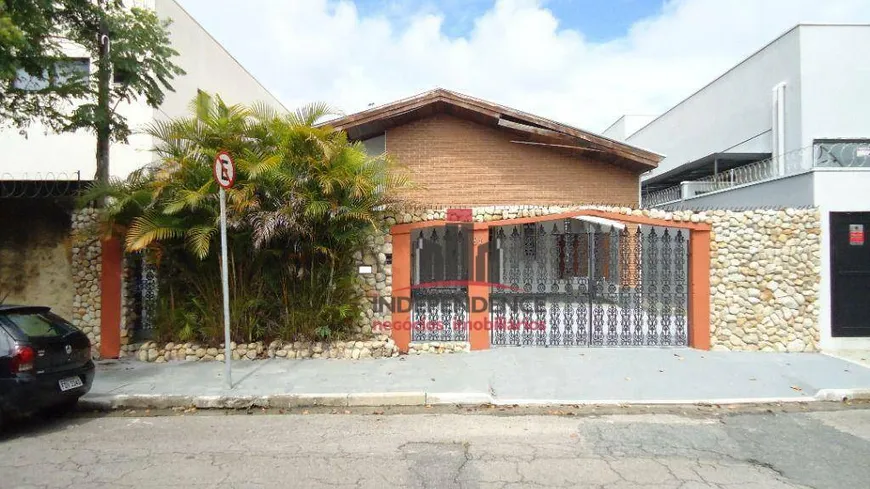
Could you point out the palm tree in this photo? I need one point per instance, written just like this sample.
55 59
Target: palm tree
304 200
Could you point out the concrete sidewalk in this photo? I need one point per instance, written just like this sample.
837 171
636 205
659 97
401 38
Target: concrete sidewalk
528 376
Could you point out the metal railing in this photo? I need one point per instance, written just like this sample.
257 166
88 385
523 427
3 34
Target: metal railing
787 164
664 196
842 154
33 185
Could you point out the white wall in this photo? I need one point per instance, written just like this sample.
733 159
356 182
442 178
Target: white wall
837 190
835 82
732 109
627 125
835 105
616 130
209 67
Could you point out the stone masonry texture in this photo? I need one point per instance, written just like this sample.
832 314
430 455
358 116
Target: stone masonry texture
764 279
764 275
86 269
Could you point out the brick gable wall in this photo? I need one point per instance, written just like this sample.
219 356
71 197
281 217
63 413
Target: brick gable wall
457 162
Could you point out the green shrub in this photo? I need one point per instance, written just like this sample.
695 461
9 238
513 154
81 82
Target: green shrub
302 204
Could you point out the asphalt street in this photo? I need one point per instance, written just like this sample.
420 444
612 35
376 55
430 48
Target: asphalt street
822 449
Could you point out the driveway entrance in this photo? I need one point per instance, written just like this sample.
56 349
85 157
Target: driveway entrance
587 281
850 274
578 278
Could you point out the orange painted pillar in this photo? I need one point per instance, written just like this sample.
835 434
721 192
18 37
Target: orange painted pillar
401 317
110 298
478 290
699 289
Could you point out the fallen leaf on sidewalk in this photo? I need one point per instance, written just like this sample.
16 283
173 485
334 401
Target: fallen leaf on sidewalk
661 370
679 357
796 388
752 378
304 412
628 378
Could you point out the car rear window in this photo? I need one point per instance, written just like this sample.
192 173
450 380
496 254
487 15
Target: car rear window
38 325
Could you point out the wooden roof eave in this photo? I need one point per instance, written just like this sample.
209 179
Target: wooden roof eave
501 116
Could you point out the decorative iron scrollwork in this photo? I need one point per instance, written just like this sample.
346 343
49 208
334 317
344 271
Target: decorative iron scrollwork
572 283
439 307
652 290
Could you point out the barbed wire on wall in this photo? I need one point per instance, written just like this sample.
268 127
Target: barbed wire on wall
733 208
39 185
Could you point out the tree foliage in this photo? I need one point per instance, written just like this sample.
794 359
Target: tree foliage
37 40
304 201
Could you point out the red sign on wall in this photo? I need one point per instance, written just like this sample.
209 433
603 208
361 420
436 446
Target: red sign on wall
856 234
459 215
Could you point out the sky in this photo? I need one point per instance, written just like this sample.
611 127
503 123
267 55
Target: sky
581 62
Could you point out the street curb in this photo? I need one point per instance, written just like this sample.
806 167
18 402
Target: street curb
155 401
459 398
650 402
384 399
843 394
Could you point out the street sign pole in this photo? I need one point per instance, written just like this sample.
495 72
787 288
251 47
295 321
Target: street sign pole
228 352
225 175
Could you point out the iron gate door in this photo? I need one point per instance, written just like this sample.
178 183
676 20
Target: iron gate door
588 282
850 274
440 271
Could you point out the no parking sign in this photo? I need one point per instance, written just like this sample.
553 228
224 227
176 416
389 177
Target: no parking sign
224 170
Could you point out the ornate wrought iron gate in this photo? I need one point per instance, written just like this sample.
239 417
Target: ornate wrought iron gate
141 284
588 282
440 270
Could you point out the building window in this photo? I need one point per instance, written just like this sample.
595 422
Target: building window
375 146
66 71
853 153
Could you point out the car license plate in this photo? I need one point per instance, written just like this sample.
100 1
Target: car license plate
70 383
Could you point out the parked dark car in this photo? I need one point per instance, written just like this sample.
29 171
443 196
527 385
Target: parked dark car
45 362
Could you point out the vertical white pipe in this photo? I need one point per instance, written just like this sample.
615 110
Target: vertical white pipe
228 356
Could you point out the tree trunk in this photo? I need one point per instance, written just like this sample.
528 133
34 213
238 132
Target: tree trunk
103 115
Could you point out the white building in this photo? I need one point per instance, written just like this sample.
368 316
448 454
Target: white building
41 173
788 126
210 68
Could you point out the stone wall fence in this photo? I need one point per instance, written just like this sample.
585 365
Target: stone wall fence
86 263
764 278
765 270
